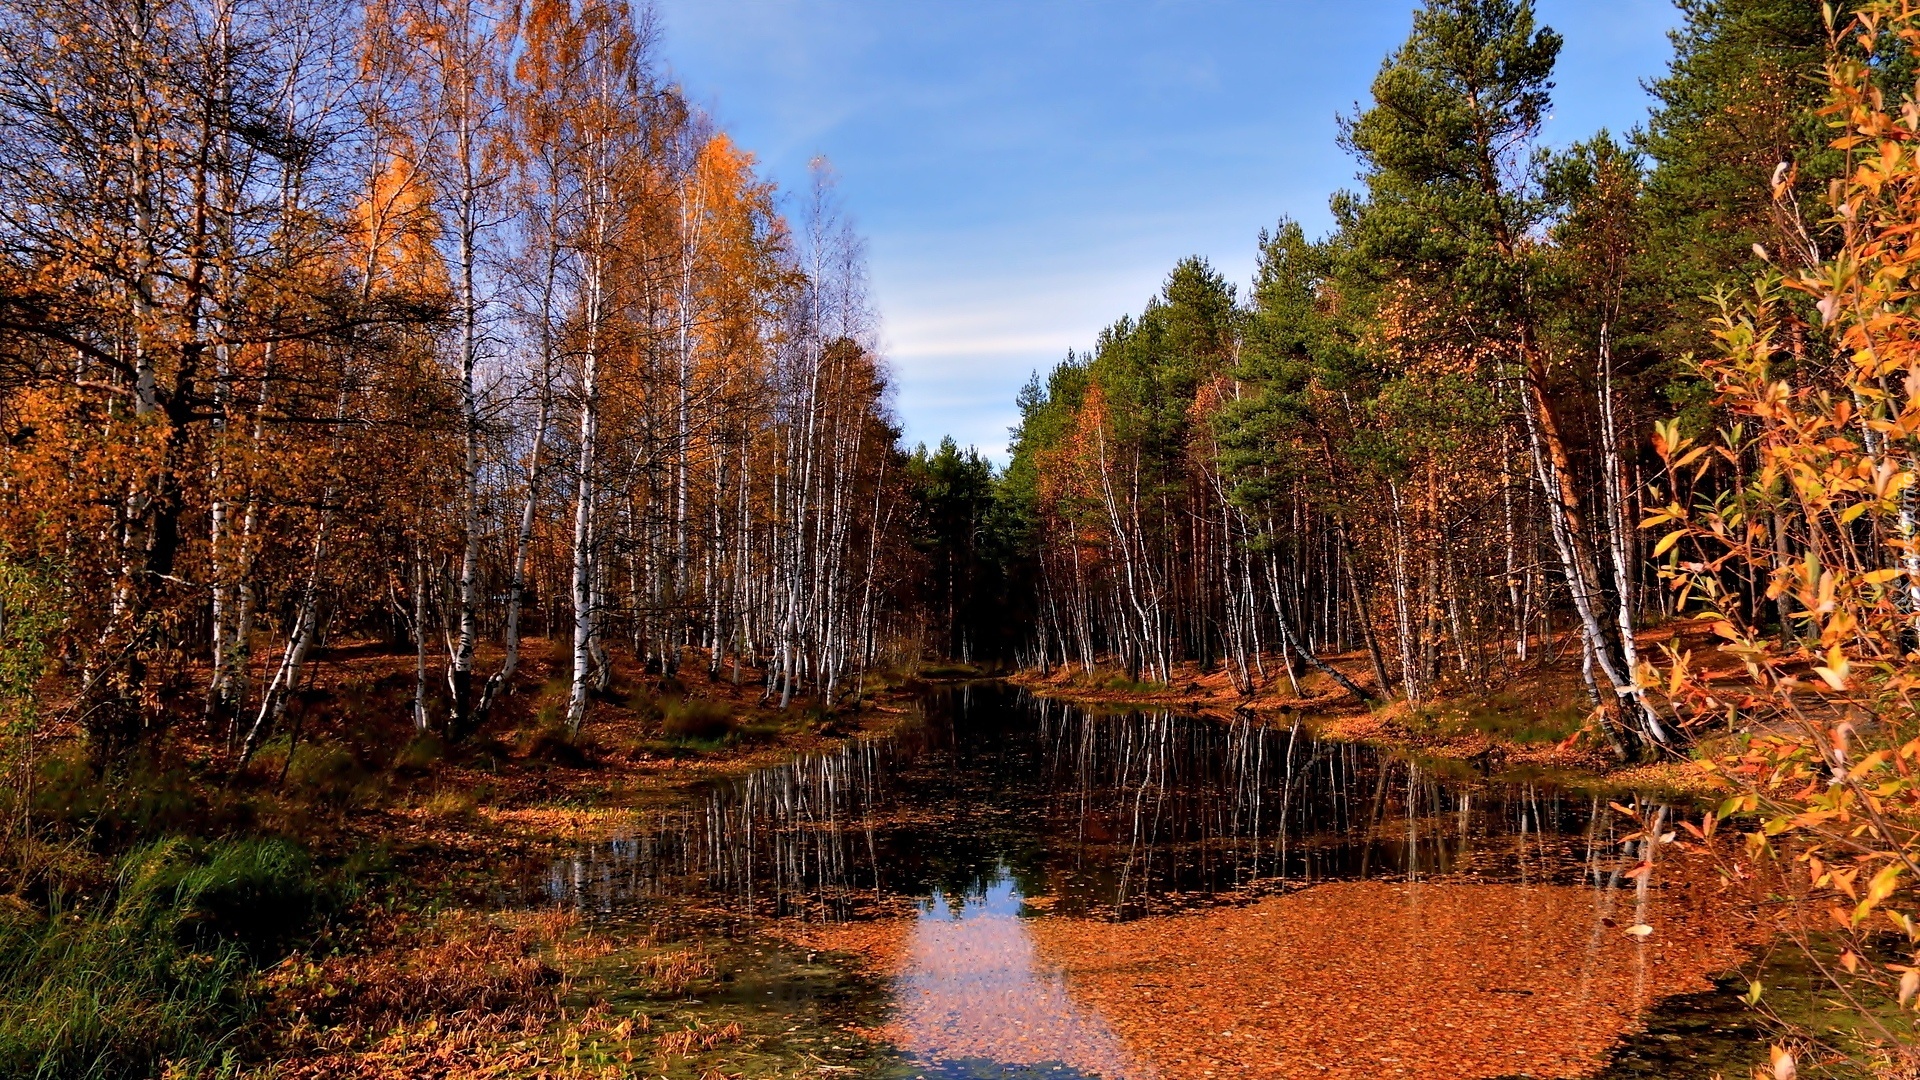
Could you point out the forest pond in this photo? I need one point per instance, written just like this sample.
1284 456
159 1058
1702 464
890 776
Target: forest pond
1016 888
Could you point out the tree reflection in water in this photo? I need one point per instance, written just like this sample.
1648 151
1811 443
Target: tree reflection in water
1114 816
1059 893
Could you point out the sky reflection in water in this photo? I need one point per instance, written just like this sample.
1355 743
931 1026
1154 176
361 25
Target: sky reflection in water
1460 924
972 989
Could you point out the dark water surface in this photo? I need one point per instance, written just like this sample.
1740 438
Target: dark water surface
1001 826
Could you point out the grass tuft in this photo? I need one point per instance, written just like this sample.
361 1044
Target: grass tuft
1504 717
555 744
698 720
673 972
453 803
419 755
152 976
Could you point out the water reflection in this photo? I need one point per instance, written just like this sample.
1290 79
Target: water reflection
1458 926
973 996
1114 816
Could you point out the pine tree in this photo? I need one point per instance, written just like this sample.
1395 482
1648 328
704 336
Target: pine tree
1736 105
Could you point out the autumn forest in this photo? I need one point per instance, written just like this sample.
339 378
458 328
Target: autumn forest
468 607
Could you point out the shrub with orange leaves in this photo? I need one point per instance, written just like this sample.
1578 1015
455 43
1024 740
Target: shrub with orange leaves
1793 530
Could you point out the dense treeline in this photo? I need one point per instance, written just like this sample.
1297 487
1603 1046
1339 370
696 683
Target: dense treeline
1424 436
444 321
1521 400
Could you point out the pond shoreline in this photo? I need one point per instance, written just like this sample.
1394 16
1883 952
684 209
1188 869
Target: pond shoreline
1100 956
440 967
414 962
1491 730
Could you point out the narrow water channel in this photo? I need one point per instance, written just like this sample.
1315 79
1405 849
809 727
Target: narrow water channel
1036 890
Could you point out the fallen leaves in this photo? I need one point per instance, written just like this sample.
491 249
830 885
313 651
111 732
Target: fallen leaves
463 996
1358 979
1371 979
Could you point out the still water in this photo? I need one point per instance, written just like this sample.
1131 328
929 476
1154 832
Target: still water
1043 891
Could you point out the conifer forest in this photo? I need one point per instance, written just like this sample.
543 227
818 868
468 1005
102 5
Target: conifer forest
469 606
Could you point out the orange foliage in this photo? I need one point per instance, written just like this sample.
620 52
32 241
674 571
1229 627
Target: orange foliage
394 230
1816 526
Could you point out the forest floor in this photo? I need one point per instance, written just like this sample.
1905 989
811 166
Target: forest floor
430 952
427 952
1529 716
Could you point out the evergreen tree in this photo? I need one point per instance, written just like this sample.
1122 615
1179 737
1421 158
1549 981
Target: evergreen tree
1737 103
955 502
1455 194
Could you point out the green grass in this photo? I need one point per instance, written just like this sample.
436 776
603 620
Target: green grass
419 755
153 975
698 721
1506 717
1124 685
949 669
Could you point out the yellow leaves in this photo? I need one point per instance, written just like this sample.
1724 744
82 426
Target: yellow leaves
1818 591
394 229
1888 481
1904 923
1882 886
1868 764
1843 881
1666 542
1834 672
1669 512
1774 398
1678 676
1667 439
1640 931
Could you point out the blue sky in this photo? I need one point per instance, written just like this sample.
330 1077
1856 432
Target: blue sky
1027 171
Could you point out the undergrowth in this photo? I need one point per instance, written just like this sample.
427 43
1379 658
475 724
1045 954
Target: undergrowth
698 720
153 974
1504 717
